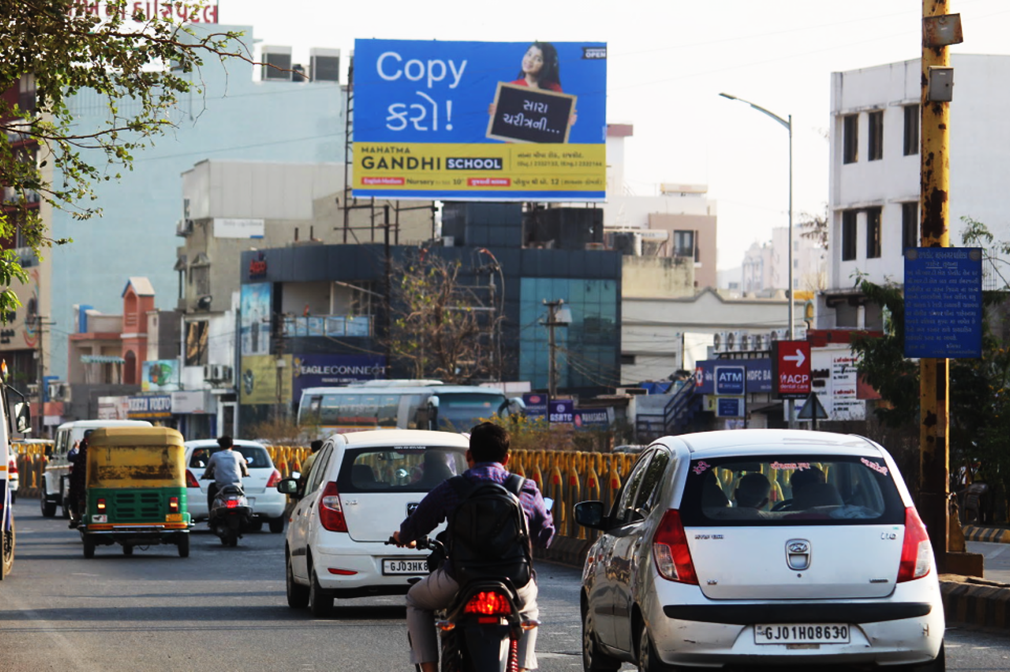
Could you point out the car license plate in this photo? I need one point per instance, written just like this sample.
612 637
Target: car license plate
802 633
173 518
404 567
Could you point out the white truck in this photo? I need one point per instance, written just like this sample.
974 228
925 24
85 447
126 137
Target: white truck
13 406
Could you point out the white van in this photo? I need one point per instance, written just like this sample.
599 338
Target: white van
55 486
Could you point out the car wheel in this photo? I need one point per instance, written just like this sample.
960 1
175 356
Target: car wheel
183 545
276 525
320 604
648 661
89 546
938 664
48 508
298 595
127 549
593 659
8 551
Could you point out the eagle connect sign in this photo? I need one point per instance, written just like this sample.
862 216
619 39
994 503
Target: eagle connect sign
730 380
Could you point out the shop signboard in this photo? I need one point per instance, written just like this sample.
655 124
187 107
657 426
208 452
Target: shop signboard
154 406
160 375
331 370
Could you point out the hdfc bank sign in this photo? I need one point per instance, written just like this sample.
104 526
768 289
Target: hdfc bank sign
791 374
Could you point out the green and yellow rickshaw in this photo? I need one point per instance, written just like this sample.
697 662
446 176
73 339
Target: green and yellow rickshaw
135 490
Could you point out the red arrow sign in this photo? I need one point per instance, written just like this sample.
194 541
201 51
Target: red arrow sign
792 368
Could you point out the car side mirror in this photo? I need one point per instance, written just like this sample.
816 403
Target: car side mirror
288 486
590 514
23 417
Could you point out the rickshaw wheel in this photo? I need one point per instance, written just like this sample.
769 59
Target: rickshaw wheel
89 546
183 546
127 549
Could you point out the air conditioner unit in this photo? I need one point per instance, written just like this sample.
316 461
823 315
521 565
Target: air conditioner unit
743 341
184 227
778 334
226 374
759 342
208 372
719 342
216 371
730 342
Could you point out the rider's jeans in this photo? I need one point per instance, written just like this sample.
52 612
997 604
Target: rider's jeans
436 591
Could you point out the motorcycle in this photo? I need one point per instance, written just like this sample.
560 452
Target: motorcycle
231 514
481 628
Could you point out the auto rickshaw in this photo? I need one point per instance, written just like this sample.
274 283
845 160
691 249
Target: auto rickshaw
135 490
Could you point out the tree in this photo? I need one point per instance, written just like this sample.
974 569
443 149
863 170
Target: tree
53 49
439 328
815 227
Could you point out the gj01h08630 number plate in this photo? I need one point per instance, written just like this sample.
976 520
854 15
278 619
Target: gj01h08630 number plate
802 633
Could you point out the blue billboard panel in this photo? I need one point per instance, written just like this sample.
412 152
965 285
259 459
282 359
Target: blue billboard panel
330 370
758 374
480 120
730 380
943 302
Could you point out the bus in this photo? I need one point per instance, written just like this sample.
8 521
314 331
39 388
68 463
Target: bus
403 404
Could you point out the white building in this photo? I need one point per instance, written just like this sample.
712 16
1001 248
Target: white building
874 172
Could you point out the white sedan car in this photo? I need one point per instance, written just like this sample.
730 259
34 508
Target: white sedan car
781 548
260 486
360 488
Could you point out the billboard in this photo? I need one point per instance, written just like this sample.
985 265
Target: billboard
496 121
255 319
323 370
260 378
160 375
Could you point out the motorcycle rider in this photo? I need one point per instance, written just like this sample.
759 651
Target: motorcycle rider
227 467
487 457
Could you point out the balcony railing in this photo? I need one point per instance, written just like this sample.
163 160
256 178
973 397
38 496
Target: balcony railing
337 326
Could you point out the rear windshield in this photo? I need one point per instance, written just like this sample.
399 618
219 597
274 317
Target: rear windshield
255 456
784 490
399 468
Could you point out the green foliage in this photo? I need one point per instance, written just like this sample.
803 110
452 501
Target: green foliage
52 50
439 327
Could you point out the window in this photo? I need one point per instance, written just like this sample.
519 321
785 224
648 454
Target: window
683 243
909 225
624 507
850 138
911 130
848 235
627 359
873 233
876 139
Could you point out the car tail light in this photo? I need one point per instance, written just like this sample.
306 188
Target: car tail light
173 505
488 603
670 550
100 505
916 551
191 481
331 514
275 478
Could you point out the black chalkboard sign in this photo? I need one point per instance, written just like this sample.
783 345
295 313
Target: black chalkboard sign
522 114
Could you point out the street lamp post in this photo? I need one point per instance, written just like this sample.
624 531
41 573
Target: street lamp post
788 123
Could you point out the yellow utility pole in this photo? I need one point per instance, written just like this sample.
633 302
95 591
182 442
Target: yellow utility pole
934 425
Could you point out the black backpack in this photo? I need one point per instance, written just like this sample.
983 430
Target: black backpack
488 533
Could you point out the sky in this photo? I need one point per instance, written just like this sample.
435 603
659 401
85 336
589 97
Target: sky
667 63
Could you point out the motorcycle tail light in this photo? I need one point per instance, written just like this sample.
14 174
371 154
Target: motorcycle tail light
100 505
488 603
275 478
916 551
191 481
671 552
231 503
331 513
173 505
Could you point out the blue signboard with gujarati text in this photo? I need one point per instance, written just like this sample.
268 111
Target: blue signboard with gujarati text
431 122
730 380
593 418
758 375
536 405
943 302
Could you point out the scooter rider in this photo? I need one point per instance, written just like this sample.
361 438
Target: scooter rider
488 456
227 467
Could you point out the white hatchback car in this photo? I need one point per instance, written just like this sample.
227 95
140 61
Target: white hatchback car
784 548
360 488
260 486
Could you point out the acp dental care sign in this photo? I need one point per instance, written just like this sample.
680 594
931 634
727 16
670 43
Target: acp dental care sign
450 120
